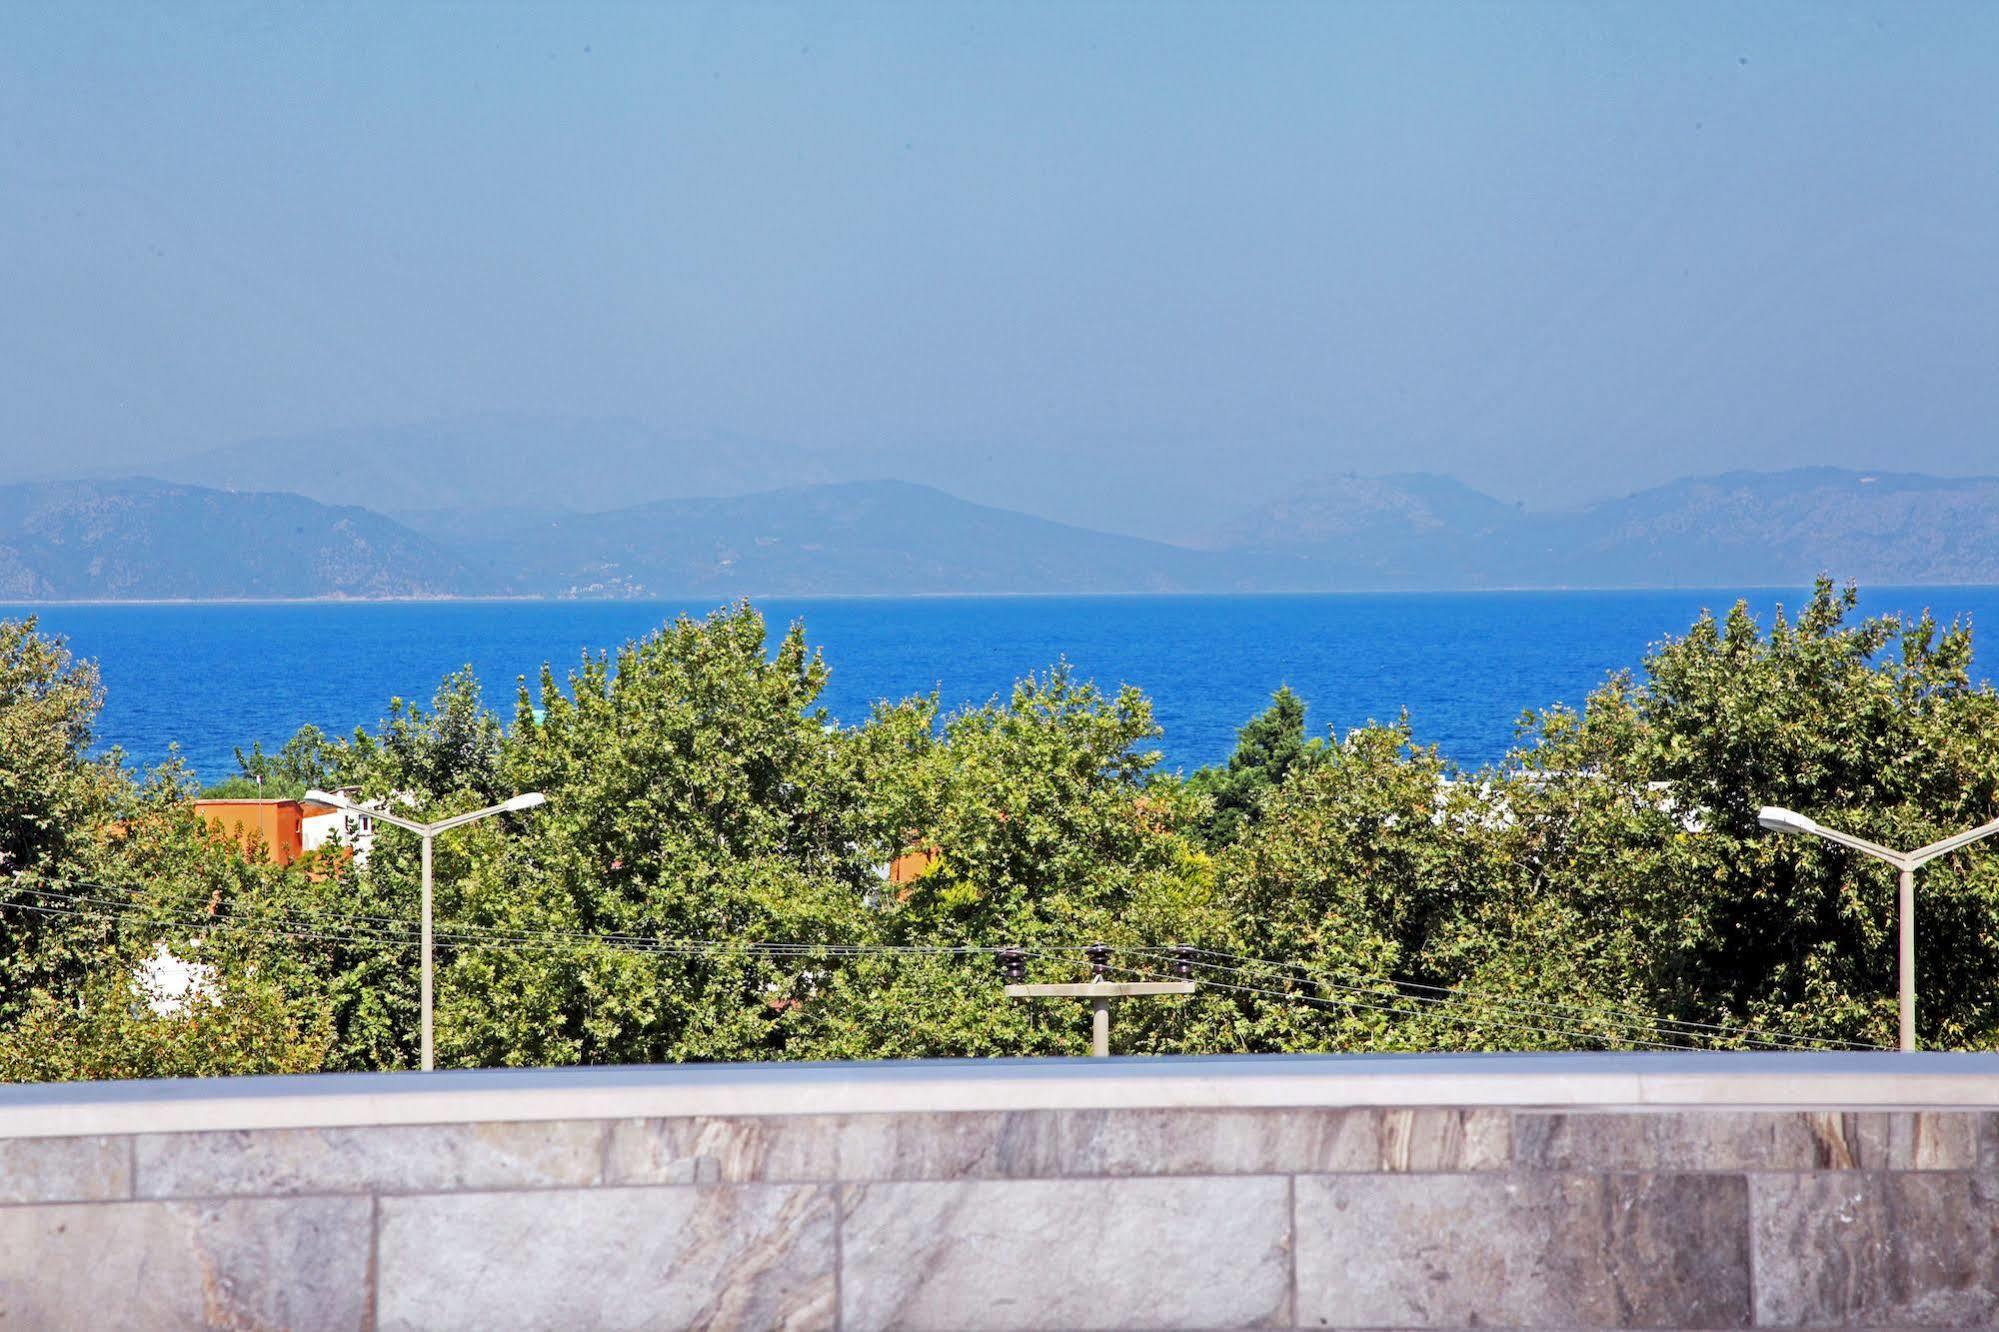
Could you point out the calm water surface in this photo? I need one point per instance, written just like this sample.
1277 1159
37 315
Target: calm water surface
210 677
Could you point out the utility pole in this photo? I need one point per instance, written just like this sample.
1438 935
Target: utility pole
1099 990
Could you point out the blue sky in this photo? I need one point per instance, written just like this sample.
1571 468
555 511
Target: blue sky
1558 250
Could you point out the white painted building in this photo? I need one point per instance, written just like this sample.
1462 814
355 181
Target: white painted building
171 985
323 825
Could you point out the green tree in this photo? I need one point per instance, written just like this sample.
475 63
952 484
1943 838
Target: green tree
709 879
1365 864
1648 813
1048 835
1268 749
696 792
112 1029
451 749
306 761
52 793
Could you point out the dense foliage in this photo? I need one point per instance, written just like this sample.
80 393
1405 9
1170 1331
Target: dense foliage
709 878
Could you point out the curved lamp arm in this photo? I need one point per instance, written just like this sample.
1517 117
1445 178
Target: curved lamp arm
1950 844
1789 821
342 802
518 803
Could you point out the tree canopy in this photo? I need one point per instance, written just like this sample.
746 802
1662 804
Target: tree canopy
710 876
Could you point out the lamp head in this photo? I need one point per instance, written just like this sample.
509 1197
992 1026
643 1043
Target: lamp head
526 801
1778 819
319 797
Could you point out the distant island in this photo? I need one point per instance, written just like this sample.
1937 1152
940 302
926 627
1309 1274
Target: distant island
143 538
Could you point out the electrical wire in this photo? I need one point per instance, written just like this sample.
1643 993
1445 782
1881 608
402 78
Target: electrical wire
1647 1019
1556 1032
1752 1037
401 936
389 932
468 934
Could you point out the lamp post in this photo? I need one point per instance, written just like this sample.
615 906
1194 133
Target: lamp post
1906 864
428 832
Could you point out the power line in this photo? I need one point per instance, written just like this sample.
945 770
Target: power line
1570 1020
1621 1016
1448 1014
483 934
398 935
389 932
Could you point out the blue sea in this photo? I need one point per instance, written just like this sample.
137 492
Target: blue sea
210 677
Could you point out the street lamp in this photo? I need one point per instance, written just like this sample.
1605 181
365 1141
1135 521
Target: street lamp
428 831
1906 864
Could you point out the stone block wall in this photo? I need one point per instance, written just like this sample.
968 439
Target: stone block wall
1362 1217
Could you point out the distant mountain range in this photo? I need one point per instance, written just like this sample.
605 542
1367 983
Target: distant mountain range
1738 529
152 539
445 474
451 476
133 538
887 537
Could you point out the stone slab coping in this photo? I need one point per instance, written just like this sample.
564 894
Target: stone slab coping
1785 1081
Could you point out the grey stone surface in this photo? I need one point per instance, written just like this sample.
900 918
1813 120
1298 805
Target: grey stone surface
298 1263
1063 1143
1012 1144
64 1169
1030 1254
1427 1216
1426 1251
1988 1142
748 1256
396 1159
779 1148
1738 1140
1905 1248
1434 1139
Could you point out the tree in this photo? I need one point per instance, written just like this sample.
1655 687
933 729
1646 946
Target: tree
1268 748
1877 726
696 792
52 793
709 878
453 748
307 761
1364 864
1048 835
116 1028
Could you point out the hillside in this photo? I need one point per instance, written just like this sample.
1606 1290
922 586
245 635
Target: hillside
1783 527
446 475
1374 532
151 539
1738 529
874 537
138 539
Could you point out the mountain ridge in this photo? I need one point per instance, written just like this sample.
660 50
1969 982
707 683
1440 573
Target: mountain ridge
143 538
139 538
878 537
454 467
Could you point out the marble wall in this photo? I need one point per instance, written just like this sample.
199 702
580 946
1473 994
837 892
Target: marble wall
1198 1219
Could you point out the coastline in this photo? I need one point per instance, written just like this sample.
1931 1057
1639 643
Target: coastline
729 598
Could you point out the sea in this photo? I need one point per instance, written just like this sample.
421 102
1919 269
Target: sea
201 679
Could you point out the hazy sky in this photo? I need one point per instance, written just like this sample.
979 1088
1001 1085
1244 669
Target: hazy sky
1559 251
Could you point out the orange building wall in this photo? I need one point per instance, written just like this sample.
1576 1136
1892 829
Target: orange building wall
909 866
273 822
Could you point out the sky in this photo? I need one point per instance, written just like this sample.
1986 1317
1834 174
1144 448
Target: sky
1559 251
